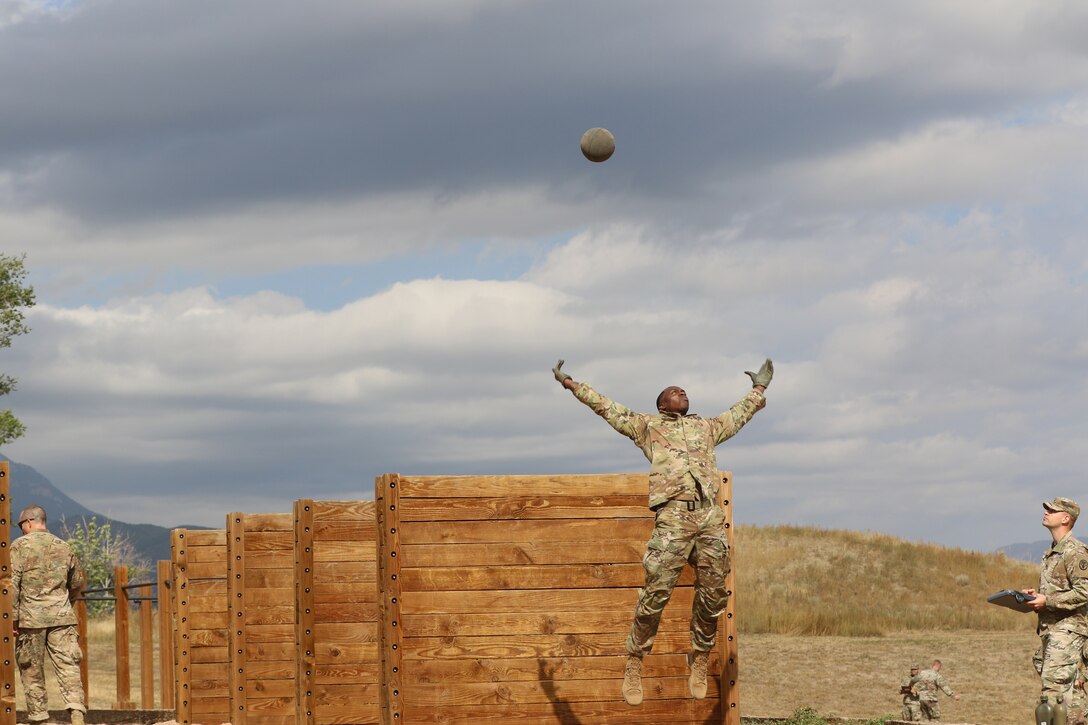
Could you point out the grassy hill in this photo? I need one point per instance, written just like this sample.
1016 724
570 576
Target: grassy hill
808 581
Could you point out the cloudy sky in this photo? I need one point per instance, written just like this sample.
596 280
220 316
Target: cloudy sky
282 248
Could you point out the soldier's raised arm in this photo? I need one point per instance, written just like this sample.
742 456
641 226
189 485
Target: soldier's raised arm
620 417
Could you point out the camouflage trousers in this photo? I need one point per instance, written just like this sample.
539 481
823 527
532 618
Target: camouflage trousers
912 710
681 537
1057 661
929 710
62 646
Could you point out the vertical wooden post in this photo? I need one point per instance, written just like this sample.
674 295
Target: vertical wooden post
304 611
7 614
236 600
120 638
147 649
183 663
387 497
81 630
166 636
727 623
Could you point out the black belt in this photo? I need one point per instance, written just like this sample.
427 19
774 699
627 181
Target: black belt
691 505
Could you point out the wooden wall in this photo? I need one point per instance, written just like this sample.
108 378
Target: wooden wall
509 598
454 600
288 630
338 612
260 553
201 636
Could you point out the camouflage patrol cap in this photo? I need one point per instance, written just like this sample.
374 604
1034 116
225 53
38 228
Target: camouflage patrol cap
1067 505
915 667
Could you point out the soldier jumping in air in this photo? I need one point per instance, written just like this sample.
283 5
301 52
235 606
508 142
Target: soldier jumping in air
684 484
45 577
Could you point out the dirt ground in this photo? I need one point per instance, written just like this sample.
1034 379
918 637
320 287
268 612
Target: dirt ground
858 677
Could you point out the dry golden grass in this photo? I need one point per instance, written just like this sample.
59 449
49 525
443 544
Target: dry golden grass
794 580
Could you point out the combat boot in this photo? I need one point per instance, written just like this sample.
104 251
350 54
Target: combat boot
697 679
632 681
77 717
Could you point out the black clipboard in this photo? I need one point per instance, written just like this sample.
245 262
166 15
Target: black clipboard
1013 599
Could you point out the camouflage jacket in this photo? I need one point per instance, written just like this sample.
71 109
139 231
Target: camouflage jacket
906 689
43 572
680 448
927 682
1063 578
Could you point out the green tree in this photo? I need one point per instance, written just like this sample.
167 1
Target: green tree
100 549
14 296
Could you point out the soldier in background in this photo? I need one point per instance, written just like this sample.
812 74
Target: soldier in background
912 710
1062 604
46 577
689 526
926 683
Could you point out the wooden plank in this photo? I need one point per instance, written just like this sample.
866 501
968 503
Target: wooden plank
579 532
527 576
347 673
362 698
514 694
208 554
270 542
275 670
271 633
166 636
206 537
304 607
182 647
338 652
210 587
628 484
210 620
578 622
272 688
283 614
363 572
207 570
120 639
269 597
345 511
270 651
346 550
387 498
509 507
343 531
147 649
531 600
365 612
207 605
729 668
270 578
236 607
651 712
349 633
270 559
541 669
329 593
535 645
531 552
7 603
268 522
210 654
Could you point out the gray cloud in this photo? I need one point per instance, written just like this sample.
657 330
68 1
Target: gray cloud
887 200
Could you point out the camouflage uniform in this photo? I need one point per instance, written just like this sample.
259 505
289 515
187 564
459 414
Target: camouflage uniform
1063 623
912 709
926 683
684 484
44 571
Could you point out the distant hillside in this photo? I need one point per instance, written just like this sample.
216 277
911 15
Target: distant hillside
28 486
802 580
1026 552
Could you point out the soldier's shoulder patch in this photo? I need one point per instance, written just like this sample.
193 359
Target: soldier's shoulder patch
1083 565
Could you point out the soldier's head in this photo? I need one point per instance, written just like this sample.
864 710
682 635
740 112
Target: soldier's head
31 518
673 399
936 665
913 670
1060 512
